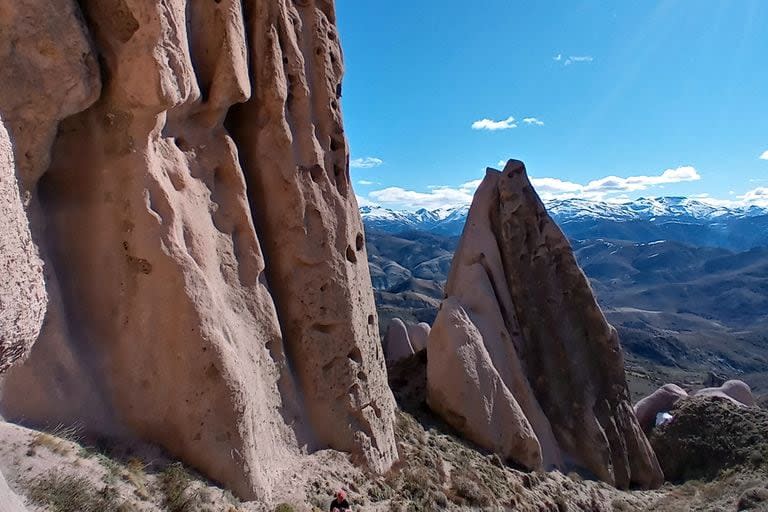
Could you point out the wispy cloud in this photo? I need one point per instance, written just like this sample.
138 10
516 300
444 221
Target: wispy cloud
533 121
490 124
573 59
764 156
367 182
757 195
364 201
577 59
611 188
365 163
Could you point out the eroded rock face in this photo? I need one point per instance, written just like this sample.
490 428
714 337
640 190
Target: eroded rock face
208 274
23 299
516 277
22 291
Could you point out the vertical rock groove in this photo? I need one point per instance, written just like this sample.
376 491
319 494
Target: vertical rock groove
160 232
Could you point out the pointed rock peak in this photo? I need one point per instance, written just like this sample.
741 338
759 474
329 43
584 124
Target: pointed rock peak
531 309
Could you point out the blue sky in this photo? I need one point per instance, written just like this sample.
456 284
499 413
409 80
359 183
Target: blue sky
644 98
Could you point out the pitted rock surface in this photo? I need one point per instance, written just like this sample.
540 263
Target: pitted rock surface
205 261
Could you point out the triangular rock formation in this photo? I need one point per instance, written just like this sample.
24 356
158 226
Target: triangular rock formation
531 310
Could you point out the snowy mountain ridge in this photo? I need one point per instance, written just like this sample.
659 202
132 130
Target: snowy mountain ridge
688 220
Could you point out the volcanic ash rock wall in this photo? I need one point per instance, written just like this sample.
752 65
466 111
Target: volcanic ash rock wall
521 338
188 179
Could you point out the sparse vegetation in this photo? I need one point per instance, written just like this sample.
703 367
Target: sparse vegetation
176 486
284 507
66 493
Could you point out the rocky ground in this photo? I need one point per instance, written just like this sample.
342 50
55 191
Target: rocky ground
55 472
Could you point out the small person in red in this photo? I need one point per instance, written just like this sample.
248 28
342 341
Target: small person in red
340 504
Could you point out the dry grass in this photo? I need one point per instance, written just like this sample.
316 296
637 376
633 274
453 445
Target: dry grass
52 443
66 493
176 487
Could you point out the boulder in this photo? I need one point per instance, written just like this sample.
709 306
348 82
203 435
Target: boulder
418 334
515 276
397 344
232 325
735 390
464 388
661 400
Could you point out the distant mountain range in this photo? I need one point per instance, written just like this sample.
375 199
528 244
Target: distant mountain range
685 283
679 219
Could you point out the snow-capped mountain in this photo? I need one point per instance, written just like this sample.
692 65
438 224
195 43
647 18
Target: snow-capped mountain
687 220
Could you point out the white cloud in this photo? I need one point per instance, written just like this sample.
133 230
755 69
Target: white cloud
490 124
558 57
610 188
397 197
367 182
364 201
555 186
757 195
575 59
501 163
365 163
635 183
764 156
533 121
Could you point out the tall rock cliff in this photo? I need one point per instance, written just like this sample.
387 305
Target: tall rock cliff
187 172
521 338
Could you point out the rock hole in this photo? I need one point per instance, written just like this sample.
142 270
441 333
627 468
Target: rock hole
331 35
356 356
217 1
362 376
334 105
370 319
324 328
181 143
359 242
351 256
341 180
335 144
315 172
318 51
333 58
